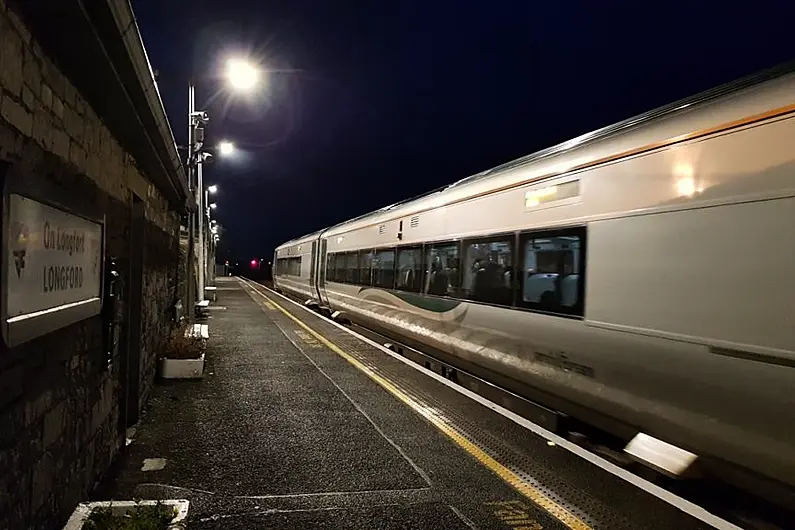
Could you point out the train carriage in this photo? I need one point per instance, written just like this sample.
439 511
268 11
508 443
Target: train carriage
639 278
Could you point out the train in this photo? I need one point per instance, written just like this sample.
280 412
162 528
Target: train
639 279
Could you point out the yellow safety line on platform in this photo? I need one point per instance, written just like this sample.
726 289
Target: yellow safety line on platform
528 490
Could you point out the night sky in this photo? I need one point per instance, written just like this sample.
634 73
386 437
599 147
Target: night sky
374 101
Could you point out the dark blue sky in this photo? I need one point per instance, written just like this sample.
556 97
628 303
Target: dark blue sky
375 101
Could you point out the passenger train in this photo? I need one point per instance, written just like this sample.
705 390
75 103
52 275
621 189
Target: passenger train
639 278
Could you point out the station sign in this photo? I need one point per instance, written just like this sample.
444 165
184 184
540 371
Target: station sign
53 269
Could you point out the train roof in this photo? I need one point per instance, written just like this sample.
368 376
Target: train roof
630 130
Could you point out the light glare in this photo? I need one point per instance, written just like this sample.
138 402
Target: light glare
213 206
241 74
686 186
226 148
213 188
684 170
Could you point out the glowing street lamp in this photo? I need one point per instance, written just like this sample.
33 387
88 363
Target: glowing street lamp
213 205
241 74
213 188
226 148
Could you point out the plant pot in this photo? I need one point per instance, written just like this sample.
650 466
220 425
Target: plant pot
84 509
182 368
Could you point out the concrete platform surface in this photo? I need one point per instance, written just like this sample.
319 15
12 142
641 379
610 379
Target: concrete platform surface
298 424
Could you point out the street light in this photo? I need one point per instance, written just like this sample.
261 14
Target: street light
242 75
213 188
226 148
213 205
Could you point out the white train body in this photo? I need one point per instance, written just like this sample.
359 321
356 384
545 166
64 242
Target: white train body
668 244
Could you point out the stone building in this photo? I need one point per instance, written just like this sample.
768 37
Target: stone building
84 138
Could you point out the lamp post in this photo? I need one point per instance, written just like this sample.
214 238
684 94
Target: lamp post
194 143
242 76
201 214
206 212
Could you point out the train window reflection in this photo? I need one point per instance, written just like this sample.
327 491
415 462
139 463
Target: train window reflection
365 262
409 269
288 266
330 269
552 279
442 269
351 267
339 274
488 271
384 269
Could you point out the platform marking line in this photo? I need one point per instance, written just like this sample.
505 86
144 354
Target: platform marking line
464 519
309 340
270 306
664 495
279 496
515 515
265 303
528 490
421 472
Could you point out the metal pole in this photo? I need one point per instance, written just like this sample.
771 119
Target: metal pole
200 197
208 276
190 271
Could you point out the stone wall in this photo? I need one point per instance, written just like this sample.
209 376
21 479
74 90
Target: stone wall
59 400
161 275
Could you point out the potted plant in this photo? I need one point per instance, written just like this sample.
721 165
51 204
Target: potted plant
182 355
168 514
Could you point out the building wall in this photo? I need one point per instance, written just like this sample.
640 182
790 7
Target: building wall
59 400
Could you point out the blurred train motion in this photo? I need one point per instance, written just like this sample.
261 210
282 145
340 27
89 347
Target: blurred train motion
639 279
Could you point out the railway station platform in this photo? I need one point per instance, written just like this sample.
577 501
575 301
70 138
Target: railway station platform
299 423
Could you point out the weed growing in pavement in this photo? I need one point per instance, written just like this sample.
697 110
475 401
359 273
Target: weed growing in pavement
153 517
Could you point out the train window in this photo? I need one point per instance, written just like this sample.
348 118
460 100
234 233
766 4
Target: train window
409 269
288 266
442 269
330 267
365 262
341 264
552 277
340 267
384 269
487 270
352 267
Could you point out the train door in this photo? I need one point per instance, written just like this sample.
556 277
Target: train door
312 266
321 263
